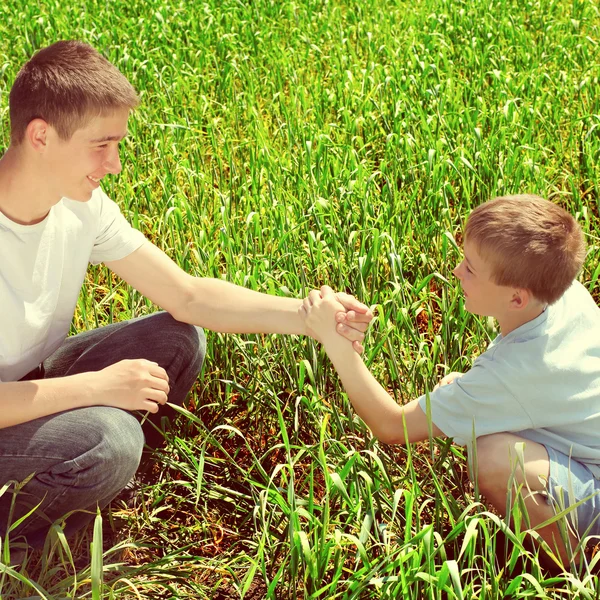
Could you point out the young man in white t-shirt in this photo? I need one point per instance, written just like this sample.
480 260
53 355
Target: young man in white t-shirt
65 402
537 384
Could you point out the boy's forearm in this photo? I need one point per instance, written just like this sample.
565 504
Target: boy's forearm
370 400
23 401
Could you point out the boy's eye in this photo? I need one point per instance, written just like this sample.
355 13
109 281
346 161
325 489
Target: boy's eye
469 270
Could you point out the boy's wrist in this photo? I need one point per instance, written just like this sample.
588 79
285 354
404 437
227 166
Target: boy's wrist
335 342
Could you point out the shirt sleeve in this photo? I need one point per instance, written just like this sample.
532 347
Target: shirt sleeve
115 238
479 403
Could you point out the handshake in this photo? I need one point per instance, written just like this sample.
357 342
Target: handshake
327 315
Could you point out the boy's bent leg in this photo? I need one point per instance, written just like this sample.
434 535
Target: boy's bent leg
497 461
177 347
80 459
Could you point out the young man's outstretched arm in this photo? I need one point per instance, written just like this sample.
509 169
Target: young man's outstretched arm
221 306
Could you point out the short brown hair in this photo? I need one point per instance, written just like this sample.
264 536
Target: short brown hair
66 84
529 242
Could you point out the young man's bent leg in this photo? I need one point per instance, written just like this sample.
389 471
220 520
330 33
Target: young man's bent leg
83 458
177 347
79 459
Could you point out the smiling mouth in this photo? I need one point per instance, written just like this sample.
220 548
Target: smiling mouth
94 179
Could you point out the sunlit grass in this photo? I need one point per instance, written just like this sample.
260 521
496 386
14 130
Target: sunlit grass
283 145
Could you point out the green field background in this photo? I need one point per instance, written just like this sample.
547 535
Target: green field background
283 145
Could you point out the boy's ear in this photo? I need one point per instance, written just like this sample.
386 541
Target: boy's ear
36 133
520 299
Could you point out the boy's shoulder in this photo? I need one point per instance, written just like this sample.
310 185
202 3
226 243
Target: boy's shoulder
561 342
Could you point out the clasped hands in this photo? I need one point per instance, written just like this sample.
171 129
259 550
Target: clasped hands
327 314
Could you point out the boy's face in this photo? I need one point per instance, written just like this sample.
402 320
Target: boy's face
77 165
482 296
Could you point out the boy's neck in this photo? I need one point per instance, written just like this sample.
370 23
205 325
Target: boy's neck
513 320
23 194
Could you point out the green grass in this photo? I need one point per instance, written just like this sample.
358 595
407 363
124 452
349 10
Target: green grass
282 145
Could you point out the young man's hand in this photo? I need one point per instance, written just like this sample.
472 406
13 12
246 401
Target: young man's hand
131 385
319 312
448 379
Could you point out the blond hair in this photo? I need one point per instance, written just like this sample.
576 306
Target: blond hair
529 242
66 84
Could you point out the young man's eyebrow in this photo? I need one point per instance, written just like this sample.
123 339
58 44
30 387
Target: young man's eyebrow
110 138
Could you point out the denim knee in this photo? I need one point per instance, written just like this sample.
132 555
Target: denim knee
108 456
188 340
122 445
101 448
183 348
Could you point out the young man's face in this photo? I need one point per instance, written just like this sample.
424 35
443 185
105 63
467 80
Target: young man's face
482 296
77 165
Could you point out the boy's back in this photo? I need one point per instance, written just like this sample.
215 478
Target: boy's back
541 381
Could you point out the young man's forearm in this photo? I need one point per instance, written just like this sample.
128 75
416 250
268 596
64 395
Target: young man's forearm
23 401
222 306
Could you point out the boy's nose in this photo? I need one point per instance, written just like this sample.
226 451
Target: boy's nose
457 270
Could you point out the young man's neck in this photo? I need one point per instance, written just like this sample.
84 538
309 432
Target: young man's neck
23 196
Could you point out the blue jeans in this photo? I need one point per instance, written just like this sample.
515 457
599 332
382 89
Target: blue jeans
83 458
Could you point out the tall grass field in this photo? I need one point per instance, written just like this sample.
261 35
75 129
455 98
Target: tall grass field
285 144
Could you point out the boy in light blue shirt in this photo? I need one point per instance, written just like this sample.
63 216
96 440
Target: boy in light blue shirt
538 383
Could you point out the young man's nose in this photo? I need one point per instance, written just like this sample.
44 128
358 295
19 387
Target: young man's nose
113 163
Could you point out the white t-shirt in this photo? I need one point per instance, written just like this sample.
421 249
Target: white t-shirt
42 268
541 382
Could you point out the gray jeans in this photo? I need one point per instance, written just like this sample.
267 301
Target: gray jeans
83 458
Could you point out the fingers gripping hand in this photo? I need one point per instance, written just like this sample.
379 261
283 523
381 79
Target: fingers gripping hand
137 384
354 321
448 379
318 311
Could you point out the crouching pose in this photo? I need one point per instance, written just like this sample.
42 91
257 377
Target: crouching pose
66 402
537 386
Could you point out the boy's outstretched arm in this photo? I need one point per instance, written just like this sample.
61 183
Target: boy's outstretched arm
373 404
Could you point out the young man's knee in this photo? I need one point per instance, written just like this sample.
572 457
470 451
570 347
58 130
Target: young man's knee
198 342
117 449
188 340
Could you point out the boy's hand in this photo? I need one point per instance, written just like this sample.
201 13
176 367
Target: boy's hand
352 317
319 313
448 379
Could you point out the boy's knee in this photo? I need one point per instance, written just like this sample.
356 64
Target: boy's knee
493 463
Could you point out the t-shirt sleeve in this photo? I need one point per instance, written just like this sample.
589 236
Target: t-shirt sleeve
477 402
115 238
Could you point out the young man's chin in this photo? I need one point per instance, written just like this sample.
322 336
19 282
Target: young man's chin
81 197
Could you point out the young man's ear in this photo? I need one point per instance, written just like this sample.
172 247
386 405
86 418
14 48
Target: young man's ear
520 299
36 134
